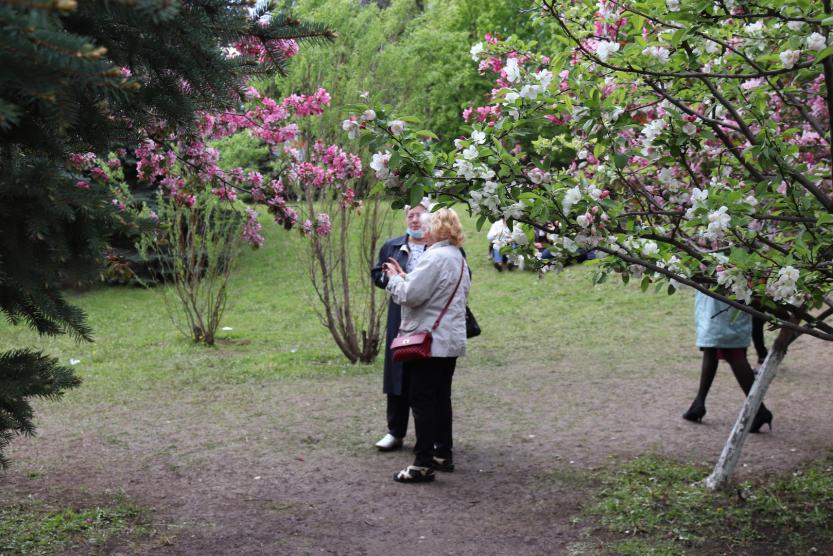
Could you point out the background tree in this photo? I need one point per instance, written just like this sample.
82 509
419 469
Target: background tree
701 134
81 79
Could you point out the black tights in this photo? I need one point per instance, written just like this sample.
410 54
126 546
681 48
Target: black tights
740 368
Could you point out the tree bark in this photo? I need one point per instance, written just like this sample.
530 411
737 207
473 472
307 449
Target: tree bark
730 456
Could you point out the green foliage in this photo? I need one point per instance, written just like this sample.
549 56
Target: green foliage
91 77
411 55
25 374
34 530
654 506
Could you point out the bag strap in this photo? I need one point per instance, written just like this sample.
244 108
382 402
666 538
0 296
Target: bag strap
442 313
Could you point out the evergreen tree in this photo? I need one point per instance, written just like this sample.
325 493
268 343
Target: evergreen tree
92 77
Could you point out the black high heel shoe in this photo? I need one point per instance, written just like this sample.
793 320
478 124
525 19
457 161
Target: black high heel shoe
696 412
764 416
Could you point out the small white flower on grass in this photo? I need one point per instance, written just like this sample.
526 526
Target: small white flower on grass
73 361
227 328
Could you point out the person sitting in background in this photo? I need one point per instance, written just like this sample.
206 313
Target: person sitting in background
498 236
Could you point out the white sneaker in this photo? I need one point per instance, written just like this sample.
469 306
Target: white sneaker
388 443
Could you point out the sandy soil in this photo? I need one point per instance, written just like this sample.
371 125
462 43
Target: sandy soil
288 467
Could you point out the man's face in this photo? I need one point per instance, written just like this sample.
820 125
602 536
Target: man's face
412 217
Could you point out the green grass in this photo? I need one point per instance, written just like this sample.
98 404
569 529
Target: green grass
276 333
656 506
33 529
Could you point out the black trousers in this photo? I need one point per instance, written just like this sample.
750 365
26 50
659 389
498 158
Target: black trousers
399 409
430 396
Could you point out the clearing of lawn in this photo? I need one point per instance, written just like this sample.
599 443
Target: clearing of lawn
264 443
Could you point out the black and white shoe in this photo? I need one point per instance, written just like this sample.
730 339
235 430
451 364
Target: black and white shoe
414 474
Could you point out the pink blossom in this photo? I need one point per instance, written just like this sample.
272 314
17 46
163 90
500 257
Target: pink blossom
82 184
323 225
97 172
82 161
114 163
252 229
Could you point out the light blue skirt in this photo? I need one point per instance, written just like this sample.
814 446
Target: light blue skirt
719 325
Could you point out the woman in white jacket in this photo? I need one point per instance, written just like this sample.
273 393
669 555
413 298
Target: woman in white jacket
440 275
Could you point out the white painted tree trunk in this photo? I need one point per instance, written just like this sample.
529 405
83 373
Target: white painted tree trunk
730 456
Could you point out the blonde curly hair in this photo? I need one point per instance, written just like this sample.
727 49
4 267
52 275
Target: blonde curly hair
445 224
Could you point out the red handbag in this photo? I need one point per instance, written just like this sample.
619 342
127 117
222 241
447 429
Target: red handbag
417 345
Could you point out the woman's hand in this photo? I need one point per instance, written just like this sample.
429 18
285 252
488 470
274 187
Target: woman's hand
392 268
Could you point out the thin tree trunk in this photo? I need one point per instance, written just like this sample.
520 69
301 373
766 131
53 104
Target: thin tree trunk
725 466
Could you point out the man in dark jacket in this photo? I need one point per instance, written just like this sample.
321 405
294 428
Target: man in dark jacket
406 250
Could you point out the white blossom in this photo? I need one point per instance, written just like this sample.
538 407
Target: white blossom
531 91
519 236
584 220
513 72
784 287
465 169
699 196
652 130
816 41
795 25
470 153
605 48
544 77
379 163
514 211
478 137
369 115
718 222
572 197
650 249
673 5
351 127
712 47
754 28
659 52
789 58
397 127
475 51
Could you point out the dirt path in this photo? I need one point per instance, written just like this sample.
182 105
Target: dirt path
288 467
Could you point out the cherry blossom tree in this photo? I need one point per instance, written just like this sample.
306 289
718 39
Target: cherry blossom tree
688 142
